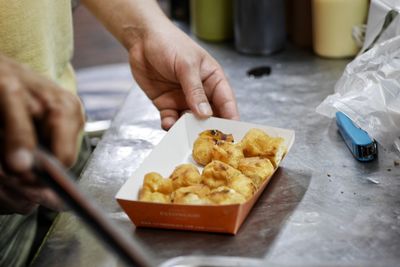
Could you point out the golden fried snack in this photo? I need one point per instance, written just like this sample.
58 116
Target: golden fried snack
218 173
146 195
243 185
202 150
225 195
216 135
194 194
202 147
227 152
256 143
185 175
154 182
232 172
257 169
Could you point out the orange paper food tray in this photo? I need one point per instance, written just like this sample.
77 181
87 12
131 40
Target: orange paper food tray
174 149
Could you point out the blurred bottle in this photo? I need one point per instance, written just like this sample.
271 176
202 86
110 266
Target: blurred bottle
211 20
301 27
333 21
179 10
288 17
259 26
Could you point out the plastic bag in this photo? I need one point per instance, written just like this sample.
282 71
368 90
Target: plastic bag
383 22
369 93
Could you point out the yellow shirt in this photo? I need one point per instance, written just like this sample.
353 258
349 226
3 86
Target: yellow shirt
39 34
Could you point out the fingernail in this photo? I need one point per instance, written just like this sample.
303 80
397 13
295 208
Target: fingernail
21 160
205 109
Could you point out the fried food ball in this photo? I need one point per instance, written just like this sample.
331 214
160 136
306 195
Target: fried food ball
202 150
194 194
216 135
203 146
256 143
243 185
185 175
256 168
154 182
146 195
227 152
218 173
225 195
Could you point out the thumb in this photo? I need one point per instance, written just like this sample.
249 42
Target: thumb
192 86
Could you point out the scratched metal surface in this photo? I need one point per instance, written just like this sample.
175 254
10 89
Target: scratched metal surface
322 208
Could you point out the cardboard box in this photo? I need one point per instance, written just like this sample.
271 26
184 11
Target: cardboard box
174 149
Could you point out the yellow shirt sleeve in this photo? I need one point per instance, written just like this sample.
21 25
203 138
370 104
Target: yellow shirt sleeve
39 34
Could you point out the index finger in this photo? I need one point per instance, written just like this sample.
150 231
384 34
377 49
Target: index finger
222 96
62 118
18 138
192 86
64 122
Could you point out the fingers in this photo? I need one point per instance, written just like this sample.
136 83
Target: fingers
168 118
28 102
169 104
11 202
207 79
18 138
24 200
27 98
21 197
59 115
43 196
189 77
64 123
220 92
224 100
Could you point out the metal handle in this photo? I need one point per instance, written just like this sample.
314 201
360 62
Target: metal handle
57 178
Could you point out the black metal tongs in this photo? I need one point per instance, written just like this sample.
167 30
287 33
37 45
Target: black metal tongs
61 181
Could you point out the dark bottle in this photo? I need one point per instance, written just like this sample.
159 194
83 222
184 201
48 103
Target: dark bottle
259 26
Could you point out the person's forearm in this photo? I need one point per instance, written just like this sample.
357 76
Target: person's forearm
127 20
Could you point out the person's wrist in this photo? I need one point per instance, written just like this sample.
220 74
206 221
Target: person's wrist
136 35
133 35
150 24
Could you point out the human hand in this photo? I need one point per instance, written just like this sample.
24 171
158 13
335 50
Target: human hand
33 109
177 75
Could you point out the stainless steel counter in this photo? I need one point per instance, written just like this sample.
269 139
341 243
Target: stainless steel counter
322 207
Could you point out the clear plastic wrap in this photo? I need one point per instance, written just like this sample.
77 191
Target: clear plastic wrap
369 93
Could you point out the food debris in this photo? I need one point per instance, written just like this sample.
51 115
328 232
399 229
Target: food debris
396 162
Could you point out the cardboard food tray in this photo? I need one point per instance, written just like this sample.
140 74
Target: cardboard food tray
174 149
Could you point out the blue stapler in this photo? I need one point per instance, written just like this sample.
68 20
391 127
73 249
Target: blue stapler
363 147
